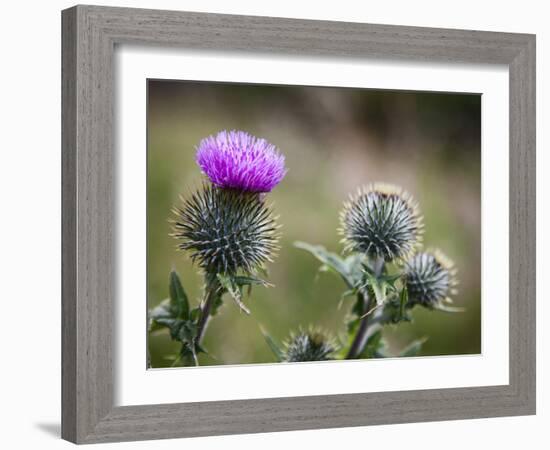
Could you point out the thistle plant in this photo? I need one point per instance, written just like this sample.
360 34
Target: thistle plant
384 269
382 222
305 345
310 345
230 232
227 229
430 279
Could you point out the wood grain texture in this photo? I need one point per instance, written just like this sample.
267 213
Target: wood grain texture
90 34
68 225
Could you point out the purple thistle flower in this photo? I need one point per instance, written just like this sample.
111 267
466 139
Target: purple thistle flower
238 160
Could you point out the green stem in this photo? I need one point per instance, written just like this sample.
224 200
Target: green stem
176 361
211 293
361 338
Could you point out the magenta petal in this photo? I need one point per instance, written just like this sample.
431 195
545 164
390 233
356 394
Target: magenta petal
238 160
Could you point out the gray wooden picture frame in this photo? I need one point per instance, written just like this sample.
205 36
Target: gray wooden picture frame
90 34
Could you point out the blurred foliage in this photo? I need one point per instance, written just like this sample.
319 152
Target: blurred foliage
334 140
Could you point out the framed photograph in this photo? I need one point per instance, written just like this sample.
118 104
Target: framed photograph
276 224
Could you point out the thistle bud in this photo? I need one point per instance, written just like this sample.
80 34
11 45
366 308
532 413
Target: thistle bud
381 221
311 345
226 230
430 278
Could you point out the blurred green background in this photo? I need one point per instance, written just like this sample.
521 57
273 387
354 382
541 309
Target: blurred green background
334 140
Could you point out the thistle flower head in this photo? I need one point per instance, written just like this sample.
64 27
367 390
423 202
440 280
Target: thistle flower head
430 278
238 160
226 231
381 221
310 345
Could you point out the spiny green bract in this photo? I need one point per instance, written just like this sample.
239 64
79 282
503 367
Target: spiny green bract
310 345
430 278
381 221
225 230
